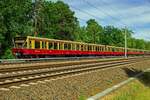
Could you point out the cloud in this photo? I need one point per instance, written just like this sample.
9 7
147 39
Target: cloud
132 13
142 34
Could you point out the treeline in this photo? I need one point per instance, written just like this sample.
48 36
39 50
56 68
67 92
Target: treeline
110 35
55 20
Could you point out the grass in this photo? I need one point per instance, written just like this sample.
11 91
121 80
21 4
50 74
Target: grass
136 90
82 97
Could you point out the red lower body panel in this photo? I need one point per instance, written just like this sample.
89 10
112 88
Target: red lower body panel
67 52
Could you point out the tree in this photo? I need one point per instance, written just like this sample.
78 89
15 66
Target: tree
140 44
112 36
8 54
48 19
80 34
147 45
93 31
131 42
57 21
14 19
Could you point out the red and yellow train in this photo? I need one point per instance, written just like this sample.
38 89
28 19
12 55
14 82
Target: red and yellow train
36 47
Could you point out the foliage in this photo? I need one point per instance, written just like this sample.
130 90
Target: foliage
8 54
112 36
136 90
81 34
93 31
55 20
14 20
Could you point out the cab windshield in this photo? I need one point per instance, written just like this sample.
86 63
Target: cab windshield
19 42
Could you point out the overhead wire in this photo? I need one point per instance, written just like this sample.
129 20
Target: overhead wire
104 12
82 19
83 11
105 3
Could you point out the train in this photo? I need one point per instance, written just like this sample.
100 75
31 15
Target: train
38 47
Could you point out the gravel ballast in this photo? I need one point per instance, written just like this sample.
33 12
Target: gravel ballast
74 87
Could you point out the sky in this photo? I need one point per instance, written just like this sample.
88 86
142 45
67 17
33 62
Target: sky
133 14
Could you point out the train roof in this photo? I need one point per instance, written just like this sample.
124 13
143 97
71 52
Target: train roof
68 41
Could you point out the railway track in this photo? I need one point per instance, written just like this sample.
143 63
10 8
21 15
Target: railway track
15 77
44 62
24 66
41 65
40 60
10 62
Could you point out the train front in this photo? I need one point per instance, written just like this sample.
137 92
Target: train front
19 46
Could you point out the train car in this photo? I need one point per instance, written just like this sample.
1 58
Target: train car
36 47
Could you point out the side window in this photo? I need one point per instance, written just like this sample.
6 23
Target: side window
69 46
37 44
60 46
85 47
30 45
89 48
102 48
110 49
77 46
51 46
19 45
97 49
43 44
94 48
65 46
106 48
82 47
55 46
73 46
25 45
113 49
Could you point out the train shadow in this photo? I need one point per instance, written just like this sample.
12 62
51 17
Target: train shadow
143 78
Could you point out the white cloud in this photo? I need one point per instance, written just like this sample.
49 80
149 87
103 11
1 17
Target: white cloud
143 34
115 12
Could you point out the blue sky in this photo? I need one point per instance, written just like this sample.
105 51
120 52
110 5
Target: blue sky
135 14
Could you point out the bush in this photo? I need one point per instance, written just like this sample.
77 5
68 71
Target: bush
8 54
146 78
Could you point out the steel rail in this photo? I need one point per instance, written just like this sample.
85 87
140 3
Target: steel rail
35 60
47 65
52 69
17 61
61 72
